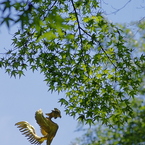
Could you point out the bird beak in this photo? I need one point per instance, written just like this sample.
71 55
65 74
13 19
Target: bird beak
47 114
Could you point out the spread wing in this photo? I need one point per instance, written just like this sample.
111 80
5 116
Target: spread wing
29 132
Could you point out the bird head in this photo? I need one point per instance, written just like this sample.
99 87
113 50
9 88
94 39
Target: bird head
54 114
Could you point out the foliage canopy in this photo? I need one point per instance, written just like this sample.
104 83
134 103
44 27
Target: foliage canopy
131 132
79 52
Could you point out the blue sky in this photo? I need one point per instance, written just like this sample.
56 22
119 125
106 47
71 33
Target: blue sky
20 98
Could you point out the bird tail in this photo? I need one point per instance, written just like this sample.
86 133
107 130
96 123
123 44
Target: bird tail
29 132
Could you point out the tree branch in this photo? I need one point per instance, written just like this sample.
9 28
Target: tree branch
79 27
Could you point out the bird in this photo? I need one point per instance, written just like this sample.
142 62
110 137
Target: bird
47 126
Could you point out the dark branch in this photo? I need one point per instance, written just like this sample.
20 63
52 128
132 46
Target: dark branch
79 27
53 5
49 9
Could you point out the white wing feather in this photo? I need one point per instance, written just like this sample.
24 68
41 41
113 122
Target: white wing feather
29 132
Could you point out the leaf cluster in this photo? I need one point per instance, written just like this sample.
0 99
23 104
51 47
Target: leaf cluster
131 132
80 53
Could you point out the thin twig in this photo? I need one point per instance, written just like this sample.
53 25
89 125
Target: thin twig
117 10
48 10
53 5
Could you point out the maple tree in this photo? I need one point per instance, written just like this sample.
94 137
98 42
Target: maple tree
79 52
